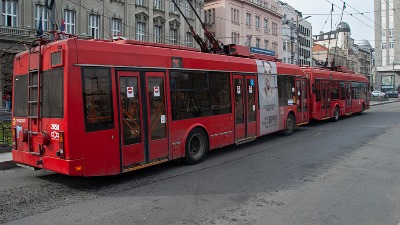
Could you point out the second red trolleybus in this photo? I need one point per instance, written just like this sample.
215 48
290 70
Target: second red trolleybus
93 108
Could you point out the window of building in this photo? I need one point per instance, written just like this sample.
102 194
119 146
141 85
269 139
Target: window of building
266 43
157 4
234 15
10 13
248 19
257 42
97 99
235 38
383 45
94 22
257 22
284 46
140 30
266 25
188 9
40 15
69 21
141 2
391 33
116 25
157 34
189 39
173 34
172 8
391 44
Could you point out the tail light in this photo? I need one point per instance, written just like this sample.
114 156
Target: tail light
60 152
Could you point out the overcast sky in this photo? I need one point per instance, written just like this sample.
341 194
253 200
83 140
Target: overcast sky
319 10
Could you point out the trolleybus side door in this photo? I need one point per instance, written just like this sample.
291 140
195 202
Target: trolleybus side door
245 107
302 108
325 99
131 118
156 116
348 96
143 121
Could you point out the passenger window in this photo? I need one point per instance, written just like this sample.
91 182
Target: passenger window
97 98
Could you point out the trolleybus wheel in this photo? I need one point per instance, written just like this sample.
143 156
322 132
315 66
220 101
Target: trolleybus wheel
290 123
335 117
196 146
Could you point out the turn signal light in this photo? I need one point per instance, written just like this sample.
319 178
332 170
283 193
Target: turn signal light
78 168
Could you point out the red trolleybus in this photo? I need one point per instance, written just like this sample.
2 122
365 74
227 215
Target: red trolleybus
93 108
336 93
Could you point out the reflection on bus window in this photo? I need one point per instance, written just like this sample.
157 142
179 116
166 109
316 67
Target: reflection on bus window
97 98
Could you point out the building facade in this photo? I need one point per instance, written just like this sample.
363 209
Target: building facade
357 57
387 45
296 36
255 23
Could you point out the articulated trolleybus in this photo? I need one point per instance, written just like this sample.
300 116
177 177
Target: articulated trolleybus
95 107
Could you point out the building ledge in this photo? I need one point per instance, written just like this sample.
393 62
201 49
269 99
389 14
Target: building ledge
16 34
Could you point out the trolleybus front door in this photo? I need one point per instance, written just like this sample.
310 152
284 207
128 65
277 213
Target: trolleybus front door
325 99
302 108
348 96
142 118
245 107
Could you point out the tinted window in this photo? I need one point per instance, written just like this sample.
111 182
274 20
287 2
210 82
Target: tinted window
196 94
97 98
20 106
52 94
286 90
220 90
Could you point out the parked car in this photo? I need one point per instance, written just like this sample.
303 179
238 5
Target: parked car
392 94
377 94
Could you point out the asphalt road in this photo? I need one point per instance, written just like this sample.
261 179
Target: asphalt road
326 173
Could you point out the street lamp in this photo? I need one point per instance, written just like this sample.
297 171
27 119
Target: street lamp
298 35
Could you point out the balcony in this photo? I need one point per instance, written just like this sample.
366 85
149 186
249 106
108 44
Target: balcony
17 34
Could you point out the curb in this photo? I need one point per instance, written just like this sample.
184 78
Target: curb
7 165
384 103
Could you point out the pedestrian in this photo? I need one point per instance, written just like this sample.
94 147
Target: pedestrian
8 102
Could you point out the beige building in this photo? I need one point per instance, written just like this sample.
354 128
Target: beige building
255 23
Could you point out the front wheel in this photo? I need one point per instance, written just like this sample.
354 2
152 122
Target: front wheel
196 146
290 124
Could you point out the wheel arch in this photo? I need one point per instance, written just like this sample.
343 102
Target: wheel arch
193 126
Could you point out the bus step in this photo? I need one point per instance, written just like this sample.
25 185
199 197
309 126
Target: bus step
33 132
33 117
32 102
33 86
33 71
245 140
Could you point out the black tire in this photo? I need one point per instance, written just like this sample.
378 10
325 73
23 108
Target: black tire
196 146
362 109
290 124
336 114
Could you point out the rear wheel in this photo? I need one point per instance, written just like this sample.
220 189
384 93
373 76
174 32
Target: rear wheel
336 114
290 124
196 146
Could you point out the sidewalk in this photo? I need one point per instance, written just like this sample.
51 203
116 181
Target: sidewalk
7 163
